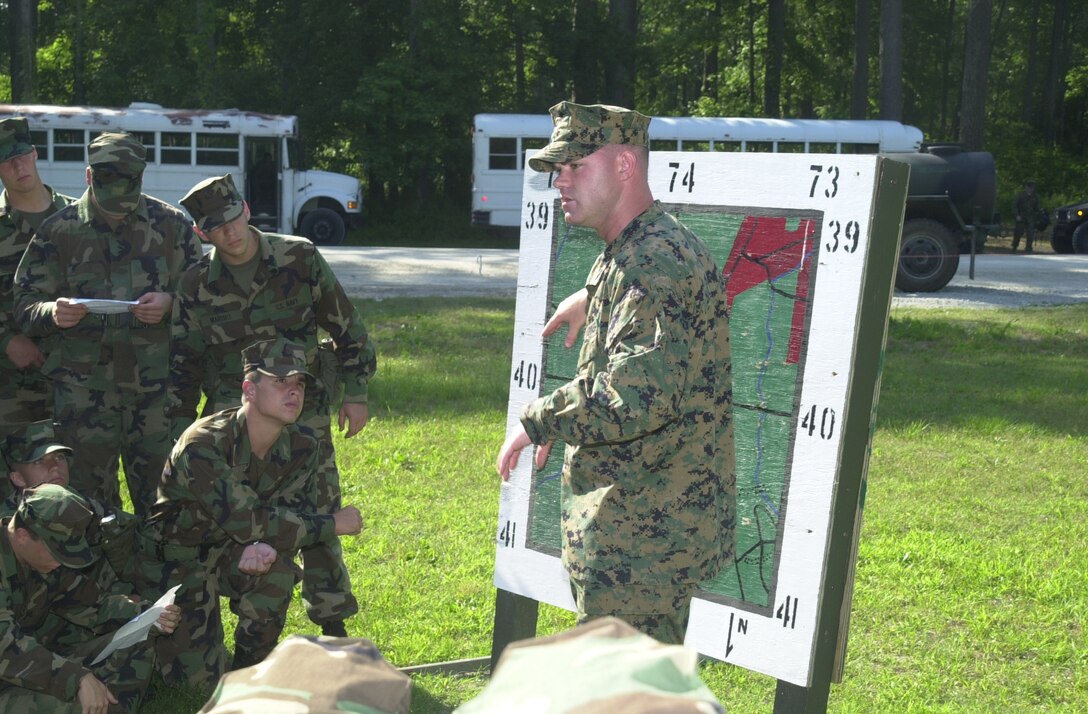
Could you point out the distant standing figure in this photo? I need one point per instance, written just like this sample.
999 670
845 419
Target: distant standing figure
1026 207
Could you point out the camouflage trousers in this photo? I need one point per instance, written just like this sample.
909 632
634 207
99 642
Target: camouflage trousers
22 400
195 654
326 583
127 673
104 427
658 609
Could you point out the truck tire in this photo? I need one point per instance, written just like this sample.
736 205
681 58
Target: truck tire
1060 243
928 257
323 226
1080 239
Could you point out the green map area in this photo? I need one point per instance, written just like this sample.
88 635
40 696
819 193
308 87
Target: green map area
768 261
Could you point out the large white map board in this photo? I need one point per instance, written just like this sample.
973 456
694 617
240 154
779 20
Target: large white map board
793 235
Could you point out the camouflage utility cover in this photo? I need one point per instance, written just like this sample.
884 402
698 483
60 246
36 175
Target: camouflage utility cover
276 358
315 675
119 151
60 519
32 441
581 130
214 202
604 666
14 138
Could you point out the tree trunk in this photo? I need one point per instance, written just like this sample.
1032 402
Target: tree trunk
859 99
587 86
620 67
1055 71
1029 75
946 72
772 77
976 65
23 17
891 59
752 53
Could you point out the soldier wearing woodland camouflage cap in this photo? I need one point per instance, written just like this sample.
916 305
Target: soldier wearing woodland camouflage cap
51 628
109 368
252 286
37 457
237 499
648 484
25 393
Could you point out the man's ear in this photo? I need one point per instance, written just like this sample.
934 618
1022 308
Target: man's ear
17 480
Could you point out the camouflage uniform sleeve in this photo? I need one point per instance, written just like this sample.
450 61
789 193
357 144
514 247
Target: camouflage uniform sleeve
338 316
37 286
26 663
229 502
91 600
638 387
187 360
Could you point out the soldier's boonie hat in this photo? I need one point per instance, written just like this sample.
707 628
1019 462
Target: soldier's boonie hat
121 152
581 129
276 358
319 675
59 518
14 138
32 441
214 202
604 666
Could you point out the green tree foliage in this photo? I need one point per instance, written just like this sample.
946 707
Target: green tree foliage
387 90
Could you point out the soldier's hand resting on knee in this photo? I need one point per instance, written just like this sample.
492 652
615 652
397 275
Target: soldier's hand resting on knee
348 521
257 558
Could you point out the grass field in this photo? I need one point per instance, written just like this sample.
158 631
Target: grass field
971 579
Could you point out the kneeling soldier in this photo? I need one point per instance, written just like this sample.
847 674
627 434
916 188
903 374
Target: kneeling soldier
58 608
236 501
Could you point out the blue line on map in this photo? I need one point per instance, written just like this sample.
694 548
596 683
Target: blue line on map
759 383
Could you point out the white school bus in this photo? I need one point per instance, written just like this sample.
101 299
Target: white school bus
950 198
263 153
499 143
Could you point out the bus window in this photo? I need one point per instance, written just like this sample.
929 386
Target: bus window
823 147
663 145
850 148
791 147
727 146
761 146
40 140
503 153
296 155
531 143
217 150
695 146
68 145
176 147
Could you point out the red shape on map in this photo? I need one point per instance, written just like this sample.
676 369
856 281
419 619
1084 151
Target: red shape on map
765 251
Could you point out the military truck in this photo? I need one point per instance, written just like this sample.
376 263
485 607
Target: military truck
950 204
1070 232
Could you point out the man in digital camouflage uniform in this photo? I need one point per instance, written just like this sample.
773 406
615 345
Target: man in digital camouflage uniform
236 502
25 394
254 286
58 608
648 484
109 369
37 457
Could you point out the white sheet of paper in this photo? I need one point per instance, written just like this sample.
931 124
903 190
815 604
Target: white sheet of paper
136 629
104 307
